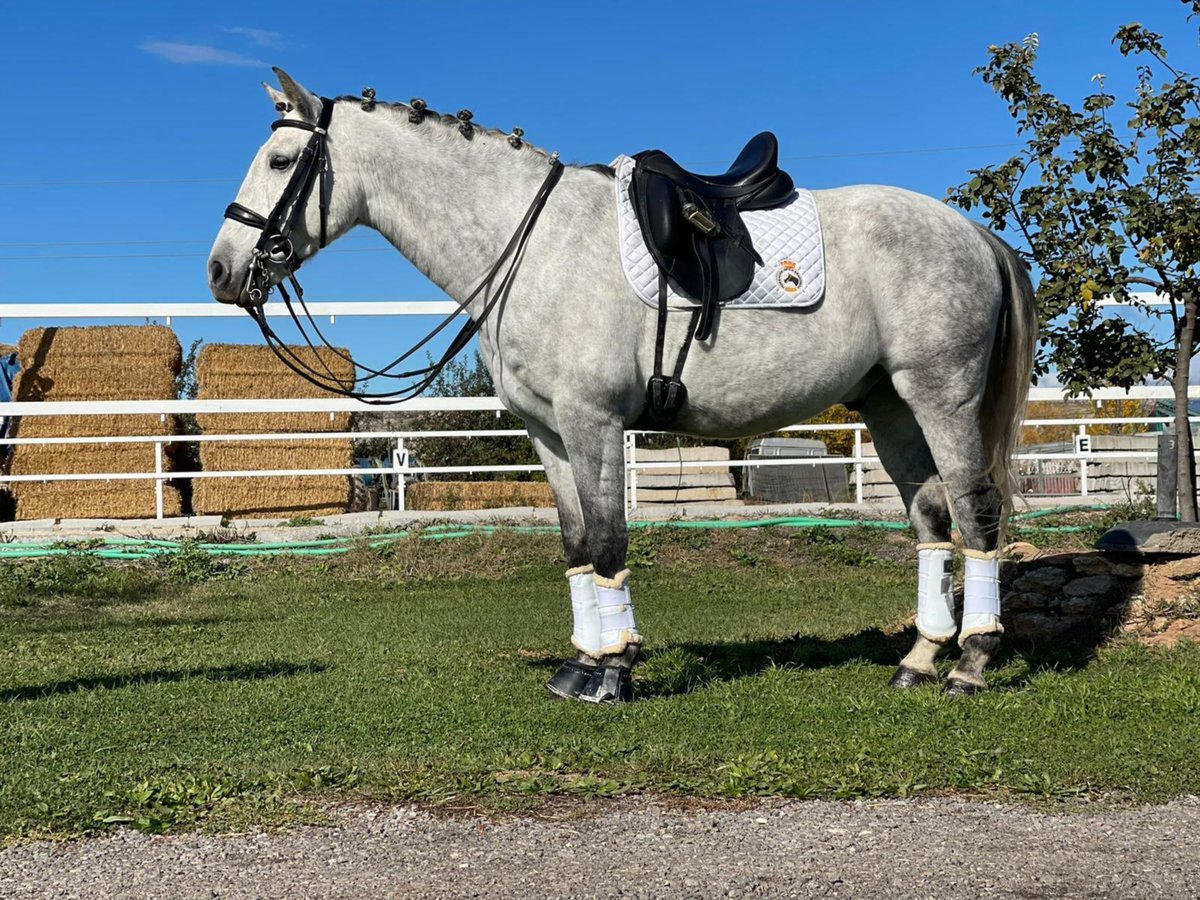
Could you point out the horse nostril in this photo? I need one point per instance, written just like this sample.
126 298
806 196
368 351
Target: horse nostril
217 273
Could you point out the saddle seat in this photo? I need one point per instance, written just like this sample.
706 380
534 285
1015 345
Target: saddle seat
693 226
754 177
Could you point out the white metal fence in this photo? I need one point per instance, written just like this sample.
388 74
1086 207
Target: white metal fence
400 464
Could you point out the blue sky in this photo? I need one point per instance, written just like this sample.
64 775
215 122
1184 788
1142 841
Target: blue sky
129 126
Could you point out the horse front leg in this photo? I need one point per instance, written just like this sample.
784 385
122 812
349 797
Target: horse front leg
573 675
609 637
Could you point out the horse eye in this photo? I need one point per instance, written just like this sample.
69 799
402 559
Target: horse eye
280 162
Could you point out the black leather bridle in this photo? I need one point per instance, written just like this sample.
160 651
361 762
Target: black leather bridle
275 247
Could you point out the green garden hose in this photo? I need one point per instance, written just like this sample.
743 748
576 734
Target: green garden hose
126 548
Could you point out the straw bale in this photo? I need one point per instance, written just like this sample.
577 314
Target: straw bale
93 500
450 495
312 495
334 453
282 496
96 426
106 362
92 381
91 459
155 341
252 371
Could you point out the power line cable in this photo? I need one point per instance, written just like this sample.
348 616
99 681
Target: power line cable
815 156
83 256
957 149
870 153
94 243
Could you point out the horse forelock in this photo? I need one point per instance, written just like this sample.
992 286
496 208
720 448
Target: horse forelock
448 121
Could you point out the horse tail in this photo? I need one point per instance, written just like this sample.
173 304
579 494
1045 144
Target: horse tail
1009 368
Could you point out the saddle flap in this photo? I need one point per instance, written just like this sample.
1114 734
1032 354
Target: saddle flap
662 217
707 267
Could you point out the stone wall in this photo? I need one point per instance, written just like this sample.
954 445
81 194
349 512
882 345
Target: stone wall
1050 596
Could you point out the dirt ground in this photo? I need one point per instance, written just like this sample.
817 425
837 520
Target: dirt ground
943 848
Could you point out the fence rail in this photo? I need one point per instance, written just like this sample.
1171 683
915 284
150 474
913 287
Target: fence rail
401 465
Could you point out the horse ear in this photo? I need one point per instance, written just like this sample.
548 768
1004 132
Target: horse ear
278 100
305 103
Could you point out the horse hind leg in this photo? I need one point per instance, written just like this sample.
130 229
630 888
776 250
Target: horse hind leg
906 457
979 510
951 427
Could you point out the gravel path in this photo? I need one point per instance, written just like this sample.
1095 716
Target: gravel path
894 849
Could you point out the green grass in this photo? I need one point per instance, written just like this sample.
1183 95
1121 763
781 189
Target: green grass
203 692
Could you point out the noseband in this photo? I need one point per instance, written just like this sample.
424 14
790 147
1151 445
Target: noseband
275 248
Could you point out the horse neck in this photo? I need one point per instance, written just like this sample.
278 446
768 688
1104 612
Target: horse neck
449 204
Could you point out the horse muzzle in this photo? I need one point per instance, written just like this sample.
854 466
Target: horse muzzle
225 289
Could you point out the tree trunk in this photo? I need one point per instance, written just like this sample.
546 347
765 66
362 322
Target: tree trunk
1185 453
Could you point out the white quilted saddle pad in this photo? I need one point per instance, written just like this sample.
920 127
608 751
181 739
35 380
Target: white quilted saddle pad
788 238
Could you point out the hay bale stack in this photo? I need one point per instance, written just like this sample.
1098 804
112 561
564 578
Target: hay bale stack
240 372
452 495
110 362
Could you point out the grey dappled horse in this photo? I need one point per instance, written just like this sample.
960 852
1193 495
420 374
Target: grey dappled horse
927 328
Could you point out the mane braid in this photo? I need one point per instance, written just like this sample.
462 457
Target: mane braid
451 121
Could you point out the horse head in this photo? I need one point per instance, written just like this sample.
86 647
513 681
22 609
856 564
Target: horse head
286 208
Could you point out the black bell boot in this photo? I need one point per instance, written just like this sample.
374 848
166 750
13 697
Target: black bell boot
608 684
570 679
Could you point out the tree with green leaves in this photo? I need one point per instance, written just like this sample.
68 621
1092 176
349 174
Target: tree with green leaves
1101 200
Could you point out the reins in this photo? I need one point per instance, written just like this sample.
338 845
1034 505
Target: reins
275 247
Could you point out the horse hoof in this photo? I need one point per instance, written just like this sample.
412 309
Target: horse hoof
570 679
957 687
906 678
608 684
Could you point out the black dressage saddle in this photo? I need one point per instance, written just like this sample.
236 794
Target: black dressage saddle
693 223
694 229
